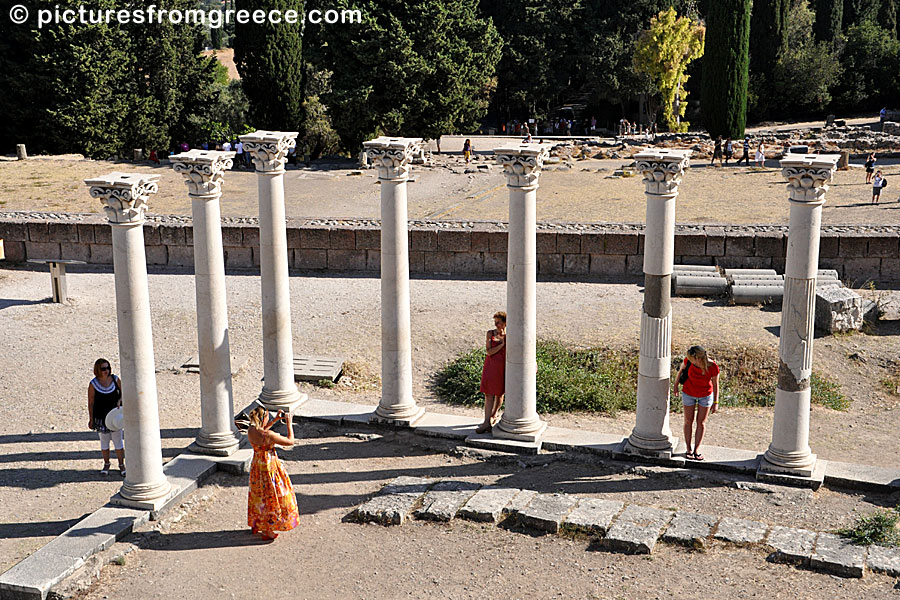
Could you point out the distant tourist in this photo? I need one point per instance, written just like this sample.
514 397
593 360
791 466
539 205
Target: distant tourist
184 147
238 153
226 147
761 156
205 145
717 152
699 380
746 156
528 138
870 166
729 149
467 149
593 124
878 184
494 372
105 394
882 113
153 157
271 504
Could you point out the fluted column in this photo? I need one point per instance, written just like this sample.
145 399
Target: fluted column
522 165
204 173
808 177
268 150
662 171
124 197
392 158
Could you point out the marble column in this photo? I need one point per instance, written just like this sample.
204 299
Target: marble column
204 173
124 197
662 171
268 151
789 453
522 165
392 158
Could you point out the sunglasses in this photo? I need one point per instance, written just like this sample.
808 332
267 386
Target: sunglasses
106 368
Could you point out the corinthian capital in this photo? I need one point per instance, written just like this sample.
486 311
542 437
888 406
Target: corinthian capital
124 195
808 176
204 170
662 169
522 164
269 149
392 156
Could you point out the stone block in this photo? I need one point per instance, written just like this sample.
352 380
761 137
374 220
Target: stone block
689 529
85 233
791 545
519 502
741 531
180 256
715 241
451 240
101 254
500 241
368 239
592 515
238 257
14 232
495 262
232 236
151 235
188 235
250 236
395 502
342 239
636 530
38 232
634 264
853 246
309 258
607 264
416 261
15 251
373 260
75 251
423 240
884 560
837 555
838 309
756 262
346 260
545 512
890 270
442 501
157 255
467 263
621 243
641 239
576 440
829 245
576 264
550 264
860 270
439 262
481 241
546 242
63 232
33 577
568 243
690 244
172 235
42 250
487 504
694 260
883 246
593 243
738 244
314 238
102 233
770 244
293 238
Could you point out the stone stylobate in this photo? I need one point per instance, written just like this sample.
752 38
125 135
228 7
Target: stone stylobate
124 197
662 172
522 166
789 454
204 172
392 158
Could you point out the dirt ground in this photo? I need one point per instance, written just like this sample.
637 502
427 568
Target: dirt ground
50 461
585 193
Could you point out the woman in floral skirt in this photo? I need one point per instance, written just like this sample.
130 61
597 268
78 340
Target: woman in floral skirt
271 504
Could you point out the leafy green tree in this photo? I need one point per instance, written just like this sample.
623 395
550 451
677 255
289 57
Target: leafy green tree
268 57
664 52
726 67
870 60
857 11
829 19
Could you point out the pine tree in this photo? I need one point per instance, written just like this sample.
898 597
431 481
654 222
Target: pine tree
268 57
829 19
725 68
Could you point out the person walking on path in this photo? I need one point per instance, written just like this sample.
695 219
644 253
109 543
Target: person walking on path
760 156
729 150
870 166
493 373
699 380
105 394
717 152
271 503
746 156
467 150
878 184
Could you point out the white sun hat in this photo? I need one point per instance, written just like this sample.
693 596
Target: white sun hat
115 419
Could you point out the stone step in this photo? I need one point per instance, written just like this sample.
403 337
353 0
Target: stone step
837 555
791 545
636 530
487 504
395 502
443 501
519 502
592 515
689 529
740 531
884 560
546 511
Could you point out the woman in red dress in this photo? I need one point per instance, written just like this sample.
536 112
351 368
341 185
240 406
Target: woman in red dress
271 504
493 373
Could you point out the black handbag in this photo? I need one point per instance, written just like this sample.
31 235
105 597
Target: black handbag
684 374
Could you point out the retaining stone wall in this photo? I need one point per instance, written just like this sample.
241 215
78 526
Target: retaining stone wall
576 251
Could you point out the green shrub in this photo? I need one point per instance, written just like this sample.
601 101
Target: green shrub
878 528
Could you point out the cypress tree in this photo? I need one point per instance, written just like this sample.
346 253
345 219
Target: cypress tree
726 68
268 57
829 19
857 11
887 17
768 33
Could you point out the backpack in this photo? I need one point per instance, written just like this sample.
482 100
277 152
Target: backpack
883 183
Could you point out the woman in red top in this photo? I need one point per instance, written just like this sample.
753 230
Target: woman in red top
493 374
701 390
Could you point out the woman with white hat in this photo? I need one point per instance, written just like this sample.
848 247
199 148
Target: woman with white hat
105 396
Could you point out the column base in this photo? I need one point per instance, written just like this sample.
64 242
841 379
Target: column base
663 448
404 418
151 504
812 477
532 434
286 401
218 450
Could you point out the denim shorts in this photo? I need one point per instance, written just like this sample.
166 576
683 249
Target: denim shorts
705 401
